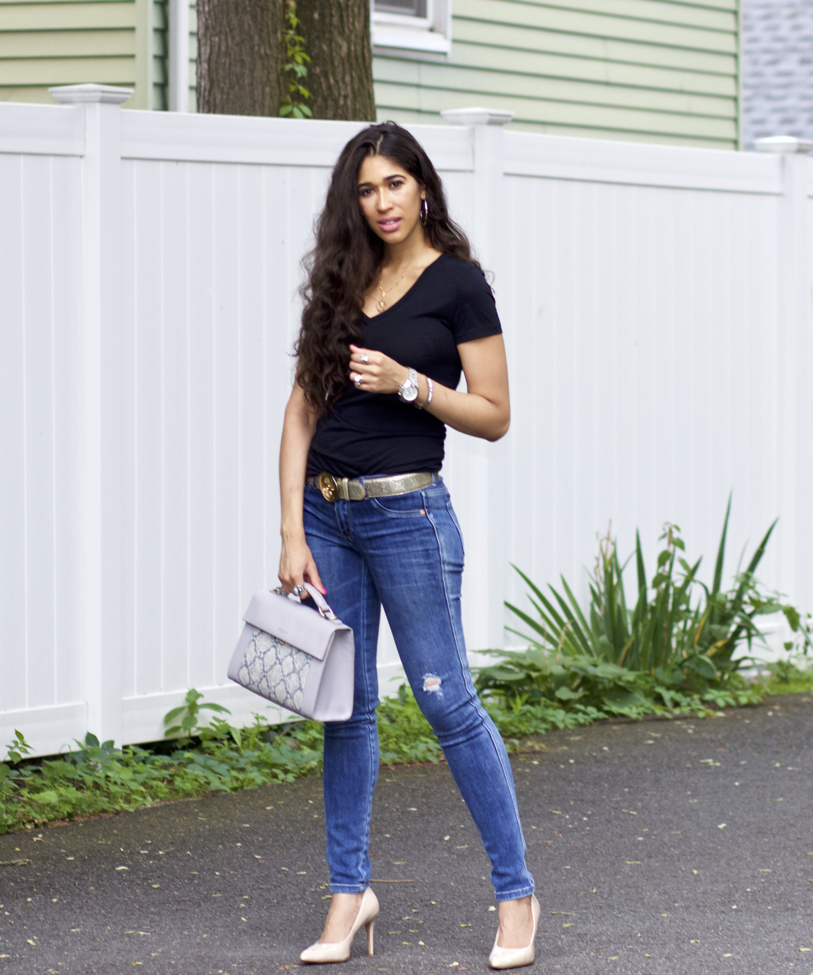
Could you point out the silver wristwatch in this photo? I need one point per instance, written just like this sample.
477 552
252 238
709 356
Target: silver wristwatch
409 389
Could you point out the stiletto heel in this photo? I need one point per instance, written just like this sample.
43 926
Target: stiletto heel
516 957
323 952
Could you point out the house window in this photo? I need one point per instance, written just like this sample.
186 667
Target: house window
418 25
406 8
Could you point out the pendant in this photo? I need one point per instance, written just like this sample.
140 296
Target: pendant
381 304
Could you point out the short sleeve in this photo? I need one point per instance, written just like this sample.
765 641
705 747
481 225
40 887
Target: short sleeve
475 314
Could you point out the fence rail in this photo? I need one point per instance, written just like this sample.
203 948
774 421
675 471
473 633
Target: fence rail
656 303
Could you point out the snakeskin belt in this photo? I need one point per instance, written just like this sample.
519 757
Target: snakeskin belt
353 489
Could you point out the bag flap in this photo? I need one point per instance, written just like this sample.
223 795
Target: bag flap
292 622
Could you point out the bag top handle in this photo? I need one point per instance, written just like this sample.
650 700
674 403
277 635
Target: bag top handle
324 610
321 604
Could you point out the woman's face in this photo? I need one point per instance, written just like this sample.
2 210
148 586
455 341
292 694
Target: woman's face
390 199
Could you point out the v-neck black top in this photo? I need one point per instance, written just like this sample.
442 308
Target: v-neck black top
374 433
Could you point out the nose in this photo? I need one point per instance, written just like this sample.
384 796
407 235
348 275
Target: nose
382 199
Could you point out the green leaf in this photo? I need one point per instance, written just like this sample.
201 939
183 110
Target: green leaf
718 565
639 562
538 628
47 796
221 709
675 677
702 665
624 698
500 673
792 616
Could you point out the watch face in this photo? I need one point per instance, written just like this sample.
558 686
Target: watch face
409 393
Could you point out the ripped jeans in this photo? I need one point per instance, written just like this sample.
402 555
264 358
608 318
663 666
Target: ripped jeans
406 553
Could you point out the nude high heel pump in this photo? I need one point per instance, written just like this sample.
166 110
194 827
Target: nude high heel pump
321 953
516 957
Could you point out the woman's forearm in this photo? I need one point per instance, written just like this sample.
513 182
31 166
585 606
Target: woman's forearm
484 410
470 413
297 433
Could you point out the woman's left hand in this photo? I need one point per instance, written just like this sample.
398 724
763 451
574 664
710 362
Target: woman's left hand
379 373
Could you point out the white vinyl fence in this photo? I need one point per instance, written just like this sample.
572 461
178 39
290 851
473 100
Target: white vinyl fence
656 305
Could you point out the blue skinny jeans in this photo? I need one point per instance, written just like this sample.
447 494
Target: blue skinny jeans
406 553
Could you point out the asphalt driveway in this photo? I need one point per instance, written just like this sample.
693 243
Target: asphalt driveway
665 848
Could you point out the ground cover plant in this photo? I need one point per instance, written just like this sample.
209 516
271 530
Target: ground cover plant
790 676
676 651
95 777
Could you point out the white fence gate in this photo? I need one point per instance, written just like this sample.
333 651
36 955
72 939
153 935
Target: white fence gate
656 303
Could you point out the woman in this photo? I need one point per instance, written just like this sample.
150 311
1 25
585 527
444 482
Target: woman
395 306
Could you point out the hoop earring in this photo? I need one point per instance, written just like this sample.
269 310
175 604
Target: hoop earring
424 212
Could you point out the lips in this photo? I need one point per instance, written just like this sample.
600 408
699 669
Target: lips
388 226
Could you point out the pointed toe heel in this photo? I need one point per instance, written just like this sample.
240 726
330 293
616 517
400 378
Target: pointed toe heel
322 953
501 958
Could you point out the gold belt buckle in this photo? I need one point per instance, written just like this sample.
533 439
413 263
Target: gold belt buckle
328 486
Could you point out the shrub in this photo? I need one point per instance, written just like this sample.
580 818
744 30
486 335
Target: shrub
675 645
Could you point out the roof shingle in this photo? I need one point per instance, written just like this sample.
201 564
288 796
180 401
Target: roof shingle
777 47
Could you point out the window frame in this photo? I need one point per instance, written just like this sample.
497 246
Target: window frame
431 34
406 20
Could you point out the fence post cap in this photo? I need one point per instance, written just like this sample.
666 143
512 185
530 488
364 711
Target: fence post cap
74 94
477 116
783 143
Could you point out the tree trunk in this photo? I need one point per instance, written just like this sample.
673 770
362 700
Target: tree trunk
340 72
240 56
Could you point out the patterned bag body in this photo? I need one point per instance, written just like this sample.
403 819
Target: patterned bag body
299 658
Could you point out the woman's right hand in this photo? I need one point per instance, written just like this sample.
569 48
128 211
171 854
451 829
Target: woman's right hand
297 565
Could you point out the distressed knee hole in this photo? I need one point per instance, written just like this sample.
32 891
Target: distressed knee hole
431 683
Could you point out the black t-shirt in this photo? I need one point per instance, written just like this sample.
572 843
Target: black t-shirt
375 433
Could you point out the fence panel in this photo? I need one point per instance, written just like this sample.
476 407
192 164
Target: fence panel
657 329
643 361
40 405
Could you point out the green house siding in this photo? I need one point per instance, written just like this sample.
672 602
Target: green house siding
64 43
159 80
160 55
640 70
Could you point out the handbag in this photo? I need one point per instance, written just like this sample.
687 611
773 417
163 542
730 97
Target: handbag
297 657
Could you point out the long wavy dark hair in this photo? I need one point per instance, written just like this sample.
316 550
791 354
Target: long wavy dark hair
348 254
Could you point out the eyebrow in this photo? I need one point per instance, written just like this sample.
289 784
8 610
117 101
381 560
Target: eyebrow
385 180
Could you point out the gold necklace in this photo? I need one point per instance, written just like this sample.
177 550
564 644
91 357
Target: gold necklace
381 303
